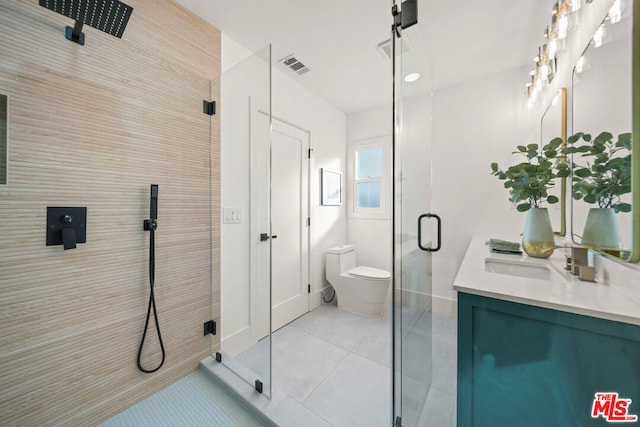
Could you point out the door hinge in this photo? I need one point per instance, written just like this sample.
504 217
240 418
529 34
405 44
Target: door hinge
406 17
309 153
209 107
210 327
309 288
308 221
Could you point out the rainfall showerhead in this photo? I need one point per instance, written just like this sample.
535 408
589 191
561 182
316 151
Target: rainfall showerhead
110 16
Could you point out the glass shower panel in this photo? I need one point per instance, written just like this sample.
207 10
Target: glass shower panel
245 324
412 305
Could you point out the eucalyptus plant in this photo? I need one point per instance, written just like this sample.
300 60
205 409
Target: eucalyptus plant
607 174
528 182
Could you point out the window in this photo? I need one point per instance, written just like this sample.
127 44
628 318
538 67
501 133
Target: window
368 177
369 171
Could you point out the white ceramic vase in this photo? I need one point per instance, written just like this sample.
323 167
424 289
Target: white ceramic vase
601 229
537 239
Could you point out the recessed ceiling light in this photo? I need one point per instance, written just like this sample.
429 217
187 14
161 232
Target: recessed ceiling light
411 77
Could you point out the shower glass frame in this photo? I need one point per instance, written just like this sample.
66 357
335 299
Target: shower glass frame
244 108
412 349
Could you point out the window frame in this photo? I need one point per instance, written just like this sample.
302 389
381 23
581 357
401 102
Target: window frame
383 212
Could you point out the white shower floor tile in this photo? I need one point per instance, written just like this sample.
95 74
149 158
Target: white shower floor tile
334 368
355 394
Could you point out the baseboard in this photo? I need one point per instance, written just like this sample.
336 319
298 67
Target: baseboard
237 342
445 306
315 300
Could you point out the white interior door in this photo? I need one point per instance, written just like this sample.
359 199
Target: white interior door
289 223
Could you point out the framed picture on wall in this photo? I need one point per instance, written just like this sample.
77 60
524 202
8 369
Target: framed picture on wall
331 188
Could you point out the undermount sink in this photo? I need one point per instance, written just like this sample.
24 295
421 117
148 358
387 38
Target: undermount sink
518 268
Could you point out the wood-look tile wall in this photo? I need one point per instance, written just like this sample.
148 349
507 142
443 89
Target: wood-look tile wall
94 126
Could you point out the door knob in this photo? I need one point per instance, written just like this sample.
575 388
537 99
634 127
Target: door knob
265 236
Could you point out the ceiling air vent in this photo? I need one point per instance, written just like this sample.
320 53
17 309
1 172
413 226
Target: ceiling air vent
385 48
294 64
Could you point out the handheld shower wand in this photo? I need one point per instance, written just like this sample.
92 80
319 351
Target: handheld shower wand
151 225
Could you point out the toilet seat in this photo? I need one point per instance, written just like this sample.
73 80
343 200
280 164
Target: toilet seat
369 273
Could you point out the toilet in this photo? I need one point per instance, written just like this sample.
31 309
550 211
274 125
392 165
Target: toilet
360 289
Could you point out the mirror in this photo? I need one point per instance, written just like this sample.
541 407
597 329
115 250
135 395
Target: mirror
603 205
4 106
554 125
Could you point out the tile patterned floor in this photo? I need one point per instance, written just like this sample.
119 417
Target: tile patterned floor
195 400
330 368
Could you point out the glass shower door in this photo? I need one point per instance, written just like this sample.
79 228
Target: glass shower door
413 240
245 298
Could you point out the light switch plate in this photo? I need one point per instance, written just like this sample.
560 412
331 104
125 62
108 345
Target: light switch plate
231 215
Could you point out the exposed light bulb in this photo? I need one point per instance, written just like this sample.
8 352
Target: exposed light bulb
598 37
412 77
564 7
563 27
615 13
534 95
553 48
574 5
529 104
544 57
580 65
544 71
537 87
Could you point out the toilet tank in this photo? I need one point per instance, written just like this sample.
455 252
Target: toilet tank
339 259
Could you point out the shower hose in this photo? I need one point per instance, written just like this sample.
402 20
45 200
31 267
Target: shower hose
152 304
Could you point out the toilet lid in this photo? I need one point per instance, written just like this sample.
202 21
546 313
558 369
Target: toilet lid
369 272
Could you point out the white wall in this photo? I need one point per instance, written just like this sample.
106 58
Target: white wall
327 126
474 124
328 129
460 130
371 237
244 92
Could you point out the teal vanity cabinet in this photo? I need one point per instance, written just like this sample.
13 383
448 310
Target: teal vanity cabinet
523 365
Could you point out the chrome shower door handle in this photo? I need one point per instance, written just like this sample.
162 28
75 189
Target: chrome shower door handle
439 223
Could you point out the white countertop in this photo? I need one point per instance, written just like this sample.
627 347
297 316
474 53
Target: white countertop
563 291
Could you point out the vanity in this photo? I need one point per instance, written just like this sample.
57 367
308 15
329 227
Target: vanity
535 344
